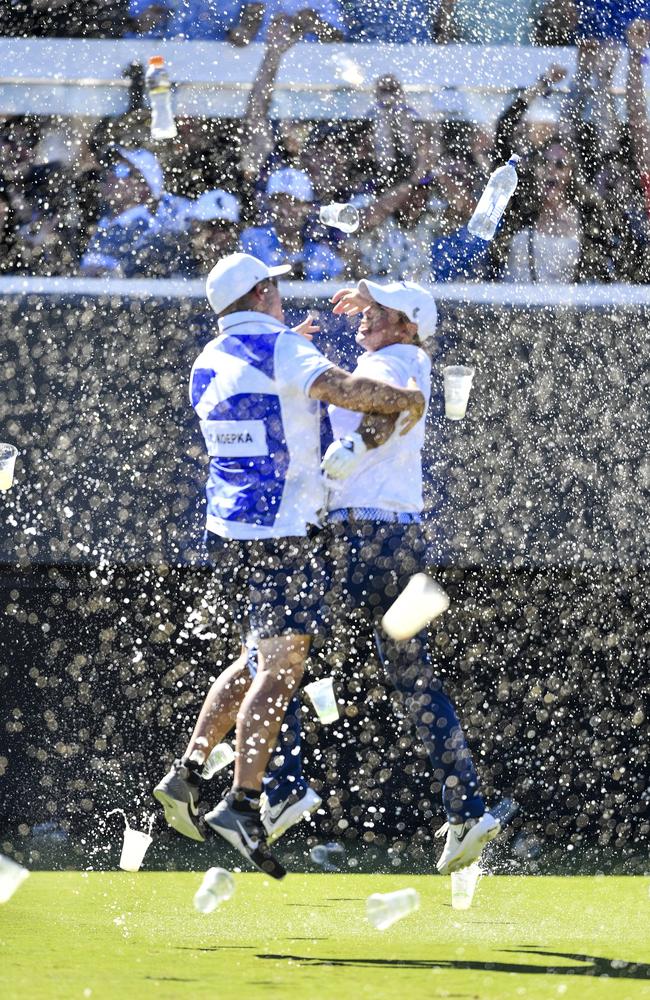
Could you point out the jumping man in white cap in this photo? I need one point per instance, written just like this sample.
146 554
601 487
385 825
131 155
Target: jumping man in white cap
255 388
375 505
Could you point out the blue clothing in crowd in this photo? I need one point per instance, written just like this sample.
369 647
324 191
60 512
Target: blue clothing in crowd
459 256
122 244
212 20
319 261
609 18
400 21
196 20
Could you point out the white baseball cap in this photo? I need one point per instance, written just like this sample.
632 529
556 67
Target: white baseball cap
236 274
288 180
407 297
215 204
148 164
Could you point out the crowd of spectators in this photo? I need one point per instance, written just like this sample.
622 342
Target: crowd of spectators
244 21
102 199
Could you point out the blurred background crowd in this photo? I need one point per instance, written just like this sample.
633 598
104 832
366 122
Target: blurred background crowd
93 197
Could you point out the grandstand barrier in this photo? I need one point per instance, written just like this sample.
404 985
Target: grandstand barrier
84 77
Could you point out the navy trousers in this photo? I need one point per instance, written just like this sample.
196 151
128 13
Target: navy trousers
371 562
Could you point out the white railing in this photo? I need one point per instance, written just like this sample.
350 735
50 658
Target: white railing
84 77
555 296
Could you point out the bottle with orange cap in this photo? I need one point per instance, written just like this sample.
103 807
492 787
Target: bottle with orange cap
159 91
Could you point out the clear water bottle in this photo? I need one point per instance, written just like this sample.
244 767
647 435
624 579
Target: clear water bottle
159 91
493 201
217 886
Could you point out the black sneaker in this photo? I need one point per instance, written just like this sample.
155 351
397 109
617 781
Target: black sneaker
245 832
178 794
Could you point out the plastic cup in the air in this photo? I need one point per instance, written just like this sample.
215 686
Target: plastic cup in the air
134 848
323 699
340 216
463 886
7 462
385 909
12 875
457 385
219 757
217 886
420 602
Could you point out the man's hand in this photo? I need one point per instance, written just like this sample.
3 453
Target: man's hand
343 456
308 327
283 33
349 302
554 74
414 414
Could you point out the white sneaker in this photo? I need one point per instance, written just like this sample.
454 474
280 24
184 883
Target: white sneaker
277 819
465 841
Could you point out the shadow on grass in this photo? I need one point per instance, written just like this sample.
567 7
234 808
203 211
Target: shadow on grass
608 968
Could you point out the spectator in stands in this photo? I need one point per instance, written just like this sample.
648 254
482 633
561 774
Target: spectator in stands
394 235
396 131
456 255
320 20
214 228
327 160
548 249
401 21
135 208
512 136
612 182
602 25
236 21
259 153
284 236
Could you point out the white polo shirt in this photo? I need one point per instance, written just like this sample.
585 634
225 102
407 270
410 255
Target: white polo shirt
388 477
250 389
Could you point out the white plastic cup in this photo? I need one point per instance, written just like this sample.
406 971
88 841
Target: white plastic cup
12 875
457 380
134 848
420 602
463 886
219 757
340 216
385 909
322 698
217 886
8 455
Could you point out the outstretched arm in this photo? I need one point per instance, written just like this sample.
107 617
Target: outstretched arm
509 120
282 34
353 392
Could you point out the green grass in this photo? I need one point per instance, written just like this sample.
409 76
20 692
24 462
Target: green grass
119 936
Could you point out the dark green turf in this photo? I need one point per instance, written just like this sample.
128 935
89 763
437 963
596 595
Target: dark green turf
122 936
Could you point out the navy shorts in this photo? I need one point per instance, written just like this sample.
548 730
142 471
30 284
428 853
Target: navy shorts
271 586
609 19
371 563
